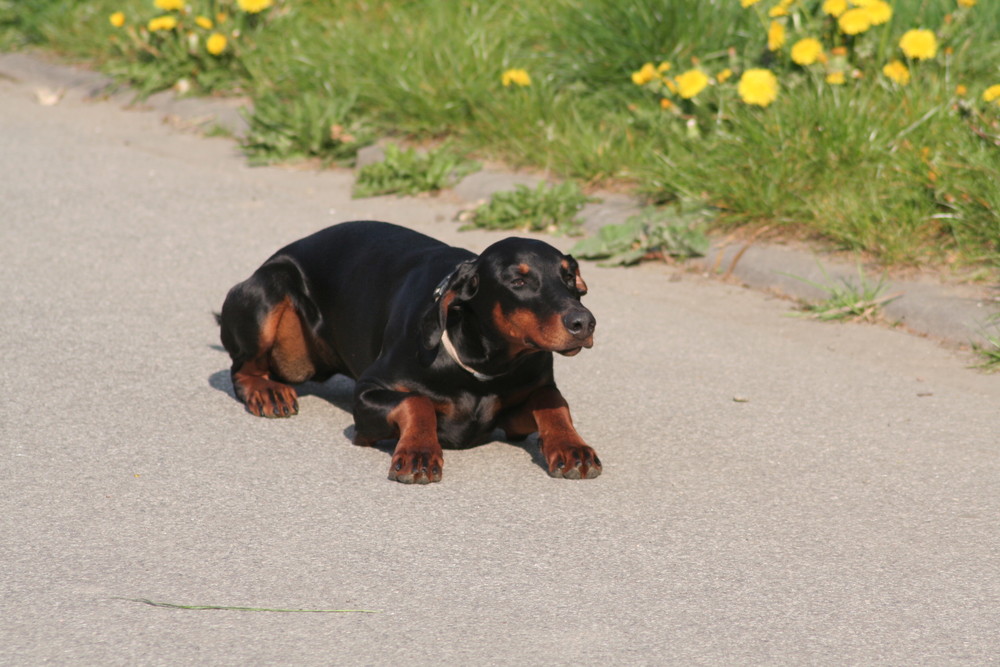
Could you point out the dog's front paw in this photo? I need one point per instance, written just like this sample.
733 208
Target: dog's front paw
416 465
571 460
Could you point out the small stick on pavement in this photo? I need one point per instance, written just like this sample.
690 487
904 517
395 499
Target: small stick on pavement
200 607
739 255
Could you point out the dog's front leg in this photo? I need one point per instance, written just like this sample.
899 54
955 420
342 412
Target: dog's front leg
565 452
383 413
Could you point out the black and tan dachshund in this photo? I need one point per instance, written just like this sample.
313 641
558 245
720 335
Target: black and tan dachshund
444 346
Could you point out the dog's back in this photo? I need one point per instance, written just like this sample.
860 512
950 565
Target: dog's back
347 281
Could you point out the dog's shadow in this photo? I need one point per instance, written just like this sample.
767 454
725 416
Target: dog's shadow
339 391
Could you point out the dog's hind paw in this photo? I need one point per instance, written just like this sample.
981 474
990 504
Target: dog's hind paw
266 398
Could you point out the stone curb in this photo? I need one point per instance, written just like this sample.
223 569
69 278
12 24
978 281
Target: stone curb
951 313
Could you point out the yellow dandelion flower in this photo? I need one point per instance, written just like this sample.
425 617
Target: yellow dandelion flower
966 3
691 82
644 75
254 6
918 44
834 7
724 75
961 90
518 77
835 78
992 94
204 22
898 72
117 19
879 11
162 23
775 36
758 87
854 21
221 17
748 3
663 67
806 51
778 11
169 5
666 104
216 43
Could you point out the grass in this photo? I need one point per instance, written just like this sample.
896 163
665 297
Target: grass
409 172
905 174
310 125
846 300
989 352
653 234
551 208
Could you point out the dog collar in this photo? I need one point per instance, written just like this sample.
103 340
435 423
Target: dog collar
450 349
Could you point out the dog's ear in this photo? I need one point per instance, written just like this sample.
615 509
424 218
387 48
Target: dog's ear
574 268
458 286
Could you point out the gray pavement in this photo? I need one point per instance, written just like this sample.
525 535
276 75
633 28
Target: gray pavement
775 490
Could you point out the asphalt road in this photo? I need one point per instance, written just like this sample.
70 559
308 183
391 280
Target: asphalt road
775 490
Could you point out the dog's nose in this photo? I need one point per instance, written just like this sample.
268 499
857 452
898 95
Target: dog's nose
579 322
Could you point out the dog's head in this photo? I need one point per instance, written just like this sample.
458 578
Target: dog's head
525 296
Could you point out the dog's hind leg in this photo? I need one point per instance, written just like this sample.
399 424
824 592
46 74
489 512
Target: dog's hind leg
269 342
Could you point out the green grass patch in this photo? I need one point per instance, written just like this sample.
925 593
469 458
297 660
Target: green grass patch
309 125
843 147
653 234
860 301
546 208
988 353
409 172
